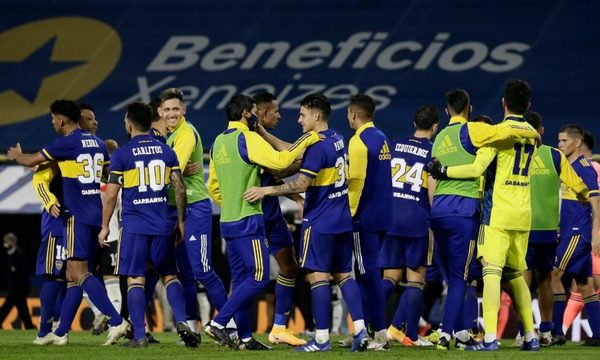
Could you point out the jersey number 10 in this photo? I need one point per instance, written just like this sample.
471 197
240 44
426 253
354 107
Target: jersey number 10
153 175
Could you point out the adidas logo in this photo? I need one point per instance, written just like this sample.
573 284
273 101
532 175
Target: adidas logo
384 153
446 147
222 158
538 167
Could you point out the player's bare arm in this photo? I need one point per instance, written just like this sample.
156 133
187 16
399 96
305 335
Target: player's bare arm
181 201
110 202
273 140
15 153
595 203
299 185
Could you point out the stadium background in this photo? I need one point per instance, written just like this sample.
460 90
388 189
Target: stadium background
405 54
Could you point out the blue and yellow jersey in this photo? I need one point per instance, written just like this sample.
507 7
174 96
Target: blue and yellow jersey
573 214
410 157
369 183
326 206
145 165
270 204
47 185
81 157
157 135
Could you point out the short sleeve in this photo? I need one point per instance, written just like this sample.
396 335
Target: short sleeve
59 149
116 164
312 161
589 177
171 159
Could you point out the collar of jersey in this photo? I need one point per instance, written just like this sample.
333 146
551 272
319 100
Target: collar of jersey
515 118
457 120
364 126
237 125
181 122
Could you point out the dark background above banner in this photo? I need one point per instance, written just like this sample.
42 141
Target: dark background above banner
404 54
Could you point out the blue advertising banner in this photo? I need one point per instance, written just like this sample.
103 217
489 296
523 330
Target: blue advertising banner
404 54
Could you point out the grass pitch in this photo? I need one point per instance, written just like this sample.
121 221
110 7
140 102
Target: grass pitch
84 346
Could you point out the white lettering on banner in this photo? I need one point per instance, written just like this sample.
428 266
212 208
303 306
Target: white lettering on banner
183 52
289 96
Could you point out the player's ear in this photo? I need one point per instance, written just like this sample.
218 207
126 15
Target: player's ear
183 107
447 112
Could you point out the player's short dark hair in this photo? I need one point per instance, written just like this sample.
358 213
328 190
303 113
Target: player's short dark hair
319 102
484 119
426 116
517 96
572 130
66 108
236 106
139 115
364 103
155 104
457 100
263 98
588 139
534 119
85 106
171 93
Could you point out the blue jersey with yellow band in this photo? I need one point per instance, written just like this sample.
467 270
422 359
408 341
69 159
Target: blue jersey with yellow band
145 165
157 135
410 157
575 216
81 157
326 206
369 182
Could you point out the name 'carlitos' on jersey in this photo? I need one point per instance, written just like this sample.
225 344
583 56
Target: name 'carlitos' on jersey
145 166
410 157
326 205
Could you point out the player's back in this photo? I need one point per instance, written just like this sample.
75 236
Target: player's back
81 157
146 166
326 205
507 196
411 207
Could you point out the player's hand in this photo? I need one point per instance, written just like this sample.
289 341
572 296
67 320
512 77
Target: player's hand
437 170
300 203
102 236
259 129
192 168
254 194
596 244
179 232
538 140
55 209
14 152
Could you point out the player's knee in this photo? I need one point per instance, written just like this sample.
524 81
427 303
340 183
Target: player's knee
289 269
509 274
583 282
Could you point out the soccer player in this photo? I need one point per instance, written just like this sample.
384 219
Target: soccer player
87 120
326 231
51 257
280 240
506 214
579 236
236 158
369 193
187 144
549 167
575 303
407 244
144 168
81 157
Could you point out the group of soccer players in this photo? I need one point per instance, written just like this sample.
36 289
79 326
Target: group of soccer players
377 214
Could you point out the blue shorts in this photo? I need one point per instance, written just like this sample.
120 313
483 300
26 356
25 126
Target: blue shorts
81 239
330 253
366 251
574 254
540 256
198 240
51 256
248 258
278 236
455 241
398 252
136 250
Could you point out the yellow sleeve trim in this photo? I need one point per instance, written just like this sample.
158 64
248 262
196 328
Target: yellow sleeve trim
309 172
47 155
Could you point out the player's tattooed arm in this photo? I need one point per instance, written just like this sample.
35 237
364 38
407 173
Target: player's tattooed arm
181 201
299 185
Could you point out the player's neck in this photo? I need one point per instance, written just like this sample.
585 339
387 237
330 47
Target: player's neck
321 126
428 134
69 129
574 155
135 132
